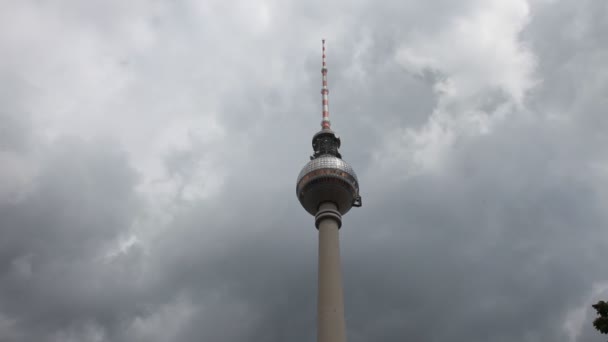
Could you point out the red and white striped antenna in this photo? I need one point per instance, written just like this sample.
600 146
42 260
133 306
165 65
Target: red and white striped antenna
325 124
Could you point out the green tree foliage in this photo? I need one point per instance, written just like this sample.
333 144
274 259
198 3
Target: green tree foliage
601 323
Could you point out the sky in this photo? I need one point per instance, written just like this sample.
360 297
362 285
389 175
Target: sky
149 152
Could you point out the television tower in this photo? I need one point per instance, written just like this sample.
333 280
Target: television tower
327 188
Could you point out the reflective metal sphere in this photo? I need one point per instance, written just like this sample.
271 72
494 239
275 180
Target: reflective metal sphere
327 179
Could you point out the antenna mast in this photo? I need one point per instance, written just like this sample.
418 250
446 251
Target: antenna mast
325 124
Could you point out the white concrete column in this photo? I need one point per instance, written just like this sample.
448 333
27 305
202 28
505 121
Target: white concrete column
330 302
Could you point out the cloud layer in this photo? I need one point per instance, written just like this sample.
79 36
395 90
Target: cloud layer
149 152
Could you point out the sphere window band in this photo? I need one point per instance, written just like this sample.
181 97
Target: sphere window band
328 162
328 172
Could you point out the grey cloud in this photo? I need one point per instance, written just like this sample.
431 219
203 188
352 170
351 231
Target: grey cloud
499 244
53 243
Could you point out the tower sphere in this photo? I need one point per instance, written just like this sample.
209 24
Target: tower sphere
328 178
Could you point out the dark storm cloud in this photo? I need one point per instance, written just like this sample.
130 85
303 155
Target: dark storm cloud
53 272
502 241
487 247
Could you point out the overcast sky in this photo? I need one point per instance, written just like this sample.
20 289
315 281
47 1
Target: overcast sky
149 152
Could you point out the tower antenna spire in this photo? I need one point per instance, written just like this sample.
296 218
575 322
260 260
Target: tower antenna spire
325 124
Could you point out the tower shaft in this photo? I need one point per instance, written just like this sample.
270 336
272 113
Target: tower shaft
330 301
